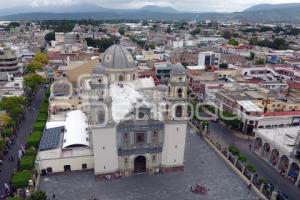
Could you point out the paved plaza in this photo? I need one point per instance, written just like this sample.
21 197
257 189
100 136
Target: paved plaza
202 166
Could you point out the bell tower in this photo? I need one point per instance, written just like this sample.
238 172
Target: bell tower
176 121
177 94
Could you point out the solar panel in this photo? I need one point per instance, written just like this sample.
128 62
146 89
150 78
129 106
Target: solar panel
51 138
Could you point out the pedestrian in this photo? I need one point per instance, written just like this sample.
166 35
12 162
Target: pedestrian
53 196
12 159
191 189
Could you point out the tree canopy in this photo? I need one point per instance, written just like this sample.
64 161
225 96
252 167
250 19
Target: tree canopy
14 106
102 44
34 66
50 36
233 42
40 57
38 195
276 43
32 81
122 30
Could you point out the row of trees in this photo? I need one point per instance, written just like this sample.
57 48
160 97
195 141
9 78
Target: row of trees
276 43
102 44
26 169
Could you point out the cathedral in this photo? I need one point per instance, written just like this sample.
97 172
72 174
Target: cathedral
131 125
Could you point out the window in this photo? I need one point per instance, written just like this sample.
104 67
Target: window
125 137
133 77
155 136
141 115
140 138
178 111
153 157
84 166
179 93
49 169
101 117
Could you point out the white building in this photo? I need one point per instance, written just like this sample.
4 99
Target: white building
125 125
209 58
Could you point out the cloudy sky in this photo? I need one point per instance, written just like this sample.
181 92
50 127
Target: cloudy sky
183 5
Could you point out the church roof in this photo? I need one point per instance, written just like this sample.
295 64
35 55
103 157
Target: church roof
117 57
178 69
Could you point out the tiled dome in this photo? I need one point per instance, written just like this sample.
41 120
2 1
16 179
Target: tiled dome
117 57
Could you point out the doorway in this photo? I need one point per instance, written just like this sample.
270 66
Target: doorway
140 164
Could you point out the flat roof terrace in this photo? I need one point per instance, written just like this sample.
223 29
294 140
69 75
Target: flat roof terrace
202 166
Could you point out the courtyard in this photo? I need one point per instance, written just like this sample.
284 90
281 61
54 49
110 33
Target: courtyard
202 166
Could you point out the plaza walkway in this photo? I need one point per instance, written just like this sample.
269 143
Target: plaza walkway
202 166
226 137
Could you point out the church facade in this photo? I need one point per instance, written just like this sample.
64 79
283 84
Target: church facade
134 126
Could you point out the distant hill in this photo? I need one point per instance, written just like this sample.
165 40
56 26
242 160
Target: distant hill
258 13
80 8
153 8
284 14
267 7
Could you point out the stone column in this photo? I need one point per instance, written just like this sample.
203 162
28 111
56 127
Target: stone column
287 171
298 179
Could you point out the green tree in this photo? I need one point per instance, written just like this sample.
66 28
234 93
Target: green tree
252 56
14 106
223 66
1 144
102 44
151 46
260 62
40 57
196 32
233 42
122 30
38 195
50 36
34 66
32 81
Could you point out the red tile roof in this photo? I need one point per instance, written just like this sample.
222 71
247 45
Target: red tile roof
284 113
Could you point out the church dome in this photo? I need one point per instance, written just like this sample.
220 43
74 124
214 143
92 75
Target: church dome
117 57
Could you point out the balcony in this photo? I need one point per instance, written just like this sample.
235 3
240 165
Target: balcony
139 150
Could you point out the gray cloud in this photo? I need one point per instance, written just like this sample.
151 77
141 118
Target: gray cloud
184 5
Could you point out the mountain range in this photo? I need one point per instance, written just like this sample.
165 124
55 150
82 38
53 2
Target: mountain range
261 13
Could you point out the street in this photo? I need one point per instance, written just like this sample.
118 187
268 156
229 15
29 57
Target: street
225 136
8 168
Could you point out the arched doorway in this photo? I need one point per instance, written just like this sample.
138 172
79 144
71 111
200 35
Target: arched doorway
283 164
121 78
140 164
294 172
266 150
274 157
257 144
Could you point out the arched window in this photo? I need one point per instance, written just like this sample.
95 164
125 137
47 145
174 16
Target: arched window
179 93
180 79
121 78
178 111
101 116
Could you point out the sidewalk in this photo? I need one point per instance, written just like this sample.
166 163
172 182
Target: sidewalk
8 168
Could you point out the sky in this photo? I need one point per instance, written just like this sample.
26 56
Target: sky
182 5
